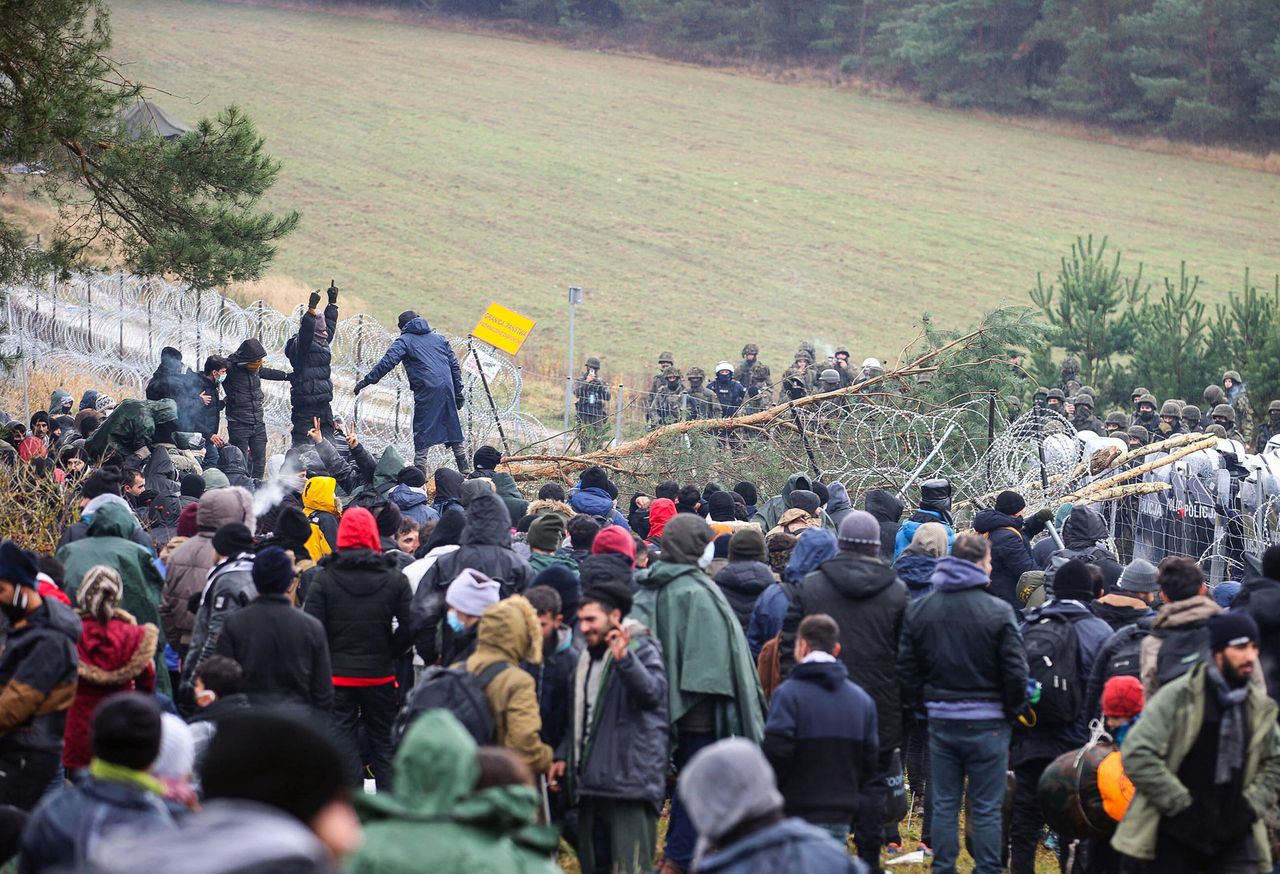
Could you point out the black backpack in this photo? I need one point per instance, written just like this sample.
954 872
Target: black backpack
1053 657
1180 650
1126 657
457 690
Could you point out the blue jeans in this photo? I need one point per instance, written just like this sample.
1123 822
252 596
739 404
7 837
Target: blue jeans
839 831
978 750
681 837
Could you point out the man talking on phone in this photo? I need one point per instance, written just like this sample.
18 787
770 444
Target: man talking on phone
619 735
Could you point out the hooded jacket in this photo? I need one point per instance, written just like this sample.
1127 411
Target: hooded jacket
356 594
838 504
448 490
597 502
888 512
1010 553
485 547
320 503
230 588
434 378
509 632
413 504
243 388
624 748
189 565
232 463
79 530
311 387
116 657
743 582
109 543
434 814
505 486
1260 598
1177 617
1082 533
704 648
661 511
867 600
38 679
770 512
961 643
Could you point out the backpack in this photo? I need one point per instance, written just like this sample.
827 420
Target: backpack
1053 656
1180 650
460 692
1126 657
317 544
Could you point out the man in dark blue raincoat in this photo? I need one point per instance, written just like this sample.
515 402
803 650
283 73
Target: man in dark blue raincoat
436 381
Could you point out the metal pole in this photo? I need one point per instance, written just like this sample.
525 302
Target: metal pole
617 419
88 293
355 416
484 381
568 383
121 316
199 298
804 438
928 458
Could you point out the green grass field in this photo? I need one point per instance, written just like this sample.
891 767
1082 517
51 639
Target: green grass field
699 209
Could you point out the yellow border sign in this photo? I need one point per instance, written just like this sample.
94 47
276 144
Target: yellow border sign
503 328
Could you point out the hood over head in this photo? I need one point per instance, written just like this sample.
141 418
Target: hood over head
113 520
930 539
488 522
435 768
448 484
511 627
661 511
813 547
725 785
231 461
250 350
795 482
218 507
318 494
838 498
884 505
357 529
416 326
1084 528
684 538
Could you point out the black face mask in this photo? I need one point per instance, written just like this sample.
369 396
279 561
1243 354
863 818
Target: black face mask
16 611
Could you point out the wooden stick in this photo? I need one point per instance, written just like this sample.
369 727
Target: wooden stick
1102 485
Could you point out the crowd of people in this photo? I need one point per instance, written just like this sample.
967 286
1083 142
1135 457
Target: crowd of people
315 661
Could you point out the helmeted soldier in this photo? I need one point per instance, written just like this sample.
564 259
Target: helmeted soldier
1213 395
1238 397
1137 435
1013 407
802 370
1146 414
592 397
1269 428
729 391
1137 394
1117 422
871 368
701 401
1056 399
1070 383
1193 421
1225 415
841 365
1170 419
667 404
1083 419
750 360
665 360
1040 397
759 395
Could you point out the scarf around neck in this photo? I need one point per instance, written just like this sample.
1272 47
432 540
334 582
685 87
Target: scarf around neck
1231 739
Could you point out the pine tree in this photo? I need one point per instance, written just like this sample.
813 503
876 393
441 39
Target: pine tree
187 207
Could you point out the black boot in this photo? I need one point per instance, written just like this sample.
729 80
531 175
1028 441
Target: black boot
460 456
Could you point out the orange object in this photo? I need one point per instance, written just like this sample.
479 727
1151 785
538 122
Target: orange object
1114 786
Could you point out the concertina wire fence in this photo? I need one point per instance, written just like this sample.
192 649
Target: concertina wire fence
1217 503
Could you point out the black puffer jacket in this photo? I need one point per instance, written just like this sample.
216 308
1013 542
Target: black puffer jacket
867 600
312 387
1010 554
1260 598
485 547
742 582
1082 534
203 419
888 512
244 389
231 462
355 595
174 381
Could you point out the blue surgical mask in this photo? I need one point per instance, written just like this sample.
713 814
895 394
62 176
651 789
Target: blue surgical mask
455 623
222 378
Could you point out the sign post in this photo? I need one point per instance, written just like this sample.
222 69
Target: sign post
503 329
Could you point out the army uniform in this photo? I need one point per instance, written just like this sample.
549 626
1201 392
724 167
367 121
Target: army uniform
1170 419
759 395
793 373
1070 382
1269 428
1084 419
1238 397
667 404
591 396
1117 423
1040 397
701 402
1014 407
1056 401
742 373
1224 416
1193 422
664 361
1145 414
841 366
